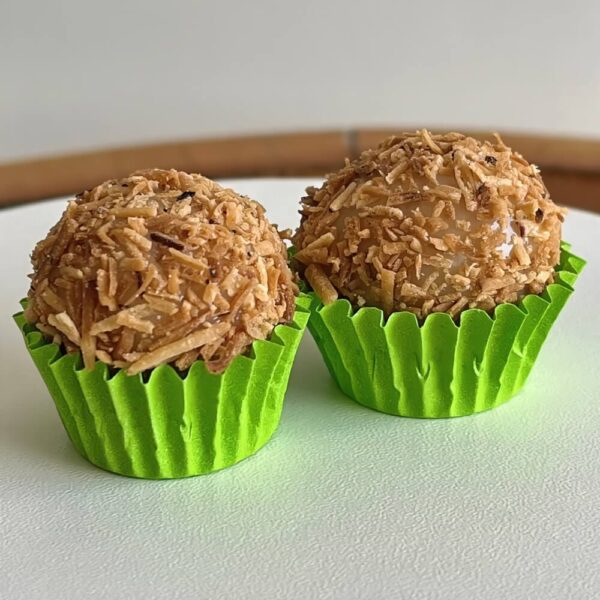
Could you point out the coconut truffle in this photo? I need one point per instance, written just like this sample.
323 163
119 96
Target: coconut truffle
160 267
430 223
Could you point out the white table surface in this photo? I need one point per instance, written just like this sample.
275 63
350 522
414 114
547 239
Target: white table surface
344 502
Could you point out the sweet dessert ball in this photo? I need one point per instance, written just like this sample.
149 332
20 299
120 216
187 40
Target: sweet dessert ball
160 267
430 223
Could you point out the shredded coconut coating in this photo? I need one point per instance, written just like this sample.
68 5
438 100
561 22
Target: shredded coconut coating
430 223
160 267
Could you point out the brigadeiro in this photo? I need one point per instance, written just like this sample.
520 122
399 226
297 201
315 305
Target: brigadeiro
427 224
164 267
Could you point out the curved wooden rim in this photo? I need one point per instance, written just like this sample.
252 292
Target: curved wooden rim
570 166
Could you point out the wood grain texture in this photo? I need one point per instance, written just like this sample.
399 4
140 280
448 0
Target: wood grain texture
570 167
284 154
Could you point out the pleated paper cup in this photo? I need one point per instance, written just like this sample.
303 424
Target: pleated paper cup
166 425
438 369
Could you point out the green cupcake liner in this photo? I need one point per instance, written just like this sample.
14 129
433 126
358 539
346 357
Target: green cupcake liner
438 369
167 425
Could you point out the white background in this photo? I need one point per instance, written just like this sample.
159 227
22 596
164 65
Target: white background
78 74
343 503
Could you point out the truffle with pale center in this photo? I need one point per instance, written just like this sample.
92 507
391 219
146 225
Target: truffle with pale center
430 223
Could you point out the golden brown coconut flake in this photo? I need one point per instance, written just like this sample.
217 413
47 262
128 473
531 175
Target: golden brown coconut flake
459 223
162 266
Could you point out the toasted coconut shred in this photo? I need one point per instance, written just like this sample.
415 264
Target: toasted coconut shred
430 223
160 267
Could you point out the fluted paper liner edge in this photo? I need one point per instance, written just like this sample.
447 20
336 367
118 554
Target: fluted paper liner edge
438 368
165 425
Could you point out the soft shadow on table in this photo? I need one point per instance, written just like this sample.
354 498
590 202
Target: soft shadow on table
311 383
29 423
38 433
